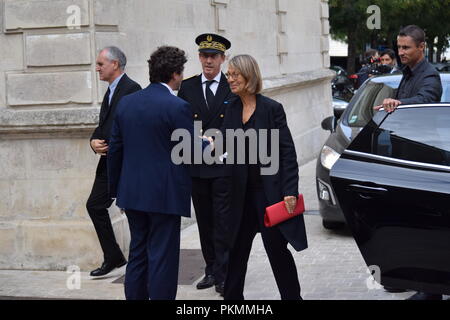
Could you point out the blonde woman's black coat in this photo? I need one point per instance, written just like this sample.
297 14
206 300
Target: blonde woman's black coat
269 115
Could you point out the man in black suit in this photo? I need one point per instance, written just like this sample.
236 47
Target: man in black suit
110 65
208 94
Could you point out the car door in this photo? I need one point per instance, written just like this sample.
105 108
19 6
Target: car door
393 184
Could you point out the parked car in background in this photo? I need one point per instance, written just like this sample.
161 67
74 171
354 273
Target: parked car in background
339 106
344 126
393 185
442 66
341 84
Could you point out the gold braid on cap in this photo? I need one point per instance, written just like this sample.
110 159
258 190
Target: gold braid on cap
212 45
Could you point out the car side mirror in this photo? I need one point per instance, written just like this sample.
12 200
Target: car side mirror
329 123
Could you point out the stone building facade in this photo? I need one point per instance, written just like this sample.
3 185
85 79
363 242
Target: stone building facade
50 96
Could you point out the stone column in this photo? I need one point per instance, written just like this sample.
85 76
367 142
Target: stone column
48 111
282 39
325 39
220 14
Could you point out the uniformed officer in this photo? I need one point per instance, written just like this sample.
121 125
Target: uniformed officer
208 94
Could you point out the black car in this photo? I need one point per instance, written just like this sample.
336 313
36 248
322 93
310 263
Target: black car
344 126
393 184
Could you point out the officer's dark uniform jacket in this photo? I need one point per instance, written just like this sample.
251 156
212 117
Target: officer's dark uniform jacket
192 91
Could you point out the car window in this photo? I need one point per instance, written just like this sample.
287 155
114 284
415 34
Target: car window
445 92
373 95
415 134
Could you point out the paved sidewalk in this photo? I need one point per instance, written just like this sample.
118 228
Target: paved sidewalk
331 268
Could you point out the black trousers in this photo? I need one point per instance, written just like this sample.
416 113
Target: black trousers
280 258
211 199
97 206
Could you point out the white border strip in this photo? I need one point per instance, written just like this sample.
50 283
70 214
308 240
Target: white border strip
407 106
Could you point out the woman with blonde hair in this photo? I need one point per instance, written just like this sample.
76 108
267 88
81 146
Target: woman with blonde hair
254 189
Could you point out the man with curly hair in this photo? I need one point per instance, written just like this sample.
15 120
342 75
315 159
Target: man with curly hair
153 191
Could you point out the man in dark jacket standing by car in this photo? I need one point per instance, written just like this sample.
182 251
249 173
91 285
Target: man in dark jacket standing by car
421 82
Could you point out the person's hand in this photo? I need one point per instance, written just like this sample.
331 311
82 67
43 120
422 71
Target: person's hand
291 203
211 141
99 146
122 211
389 105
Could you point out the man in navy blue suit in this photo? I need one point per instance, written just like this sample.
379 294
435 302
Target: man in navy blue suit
153 190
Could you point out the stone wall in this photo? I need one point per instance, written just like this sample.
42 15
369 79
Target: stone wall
50 96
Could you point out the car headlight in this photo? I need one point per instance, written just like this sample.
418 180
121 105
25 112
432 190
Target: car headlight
328 157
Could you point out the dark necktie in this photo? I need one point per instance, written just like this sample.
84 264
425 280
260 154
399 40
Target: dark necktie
105 106
209 94
106 97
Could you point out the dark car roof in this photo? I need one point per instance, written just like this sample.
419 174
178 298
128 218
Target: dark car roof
445 76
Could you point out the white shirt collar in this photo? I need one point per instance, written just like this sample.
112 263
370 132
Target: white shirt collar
114 84
167 86
217 78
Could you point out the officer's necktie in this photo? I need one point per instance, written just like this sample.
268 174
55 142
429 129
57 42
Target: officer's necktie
209 94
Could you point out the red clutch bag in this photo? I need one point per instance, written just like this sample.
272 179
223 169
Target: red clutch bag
278 213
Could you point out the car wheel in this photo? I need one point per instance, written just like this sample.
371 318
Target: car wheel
332 225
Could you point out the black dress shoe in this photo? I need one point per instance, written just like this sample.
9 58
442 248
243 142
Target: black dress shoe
220 288
107 268
207 282
425 296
